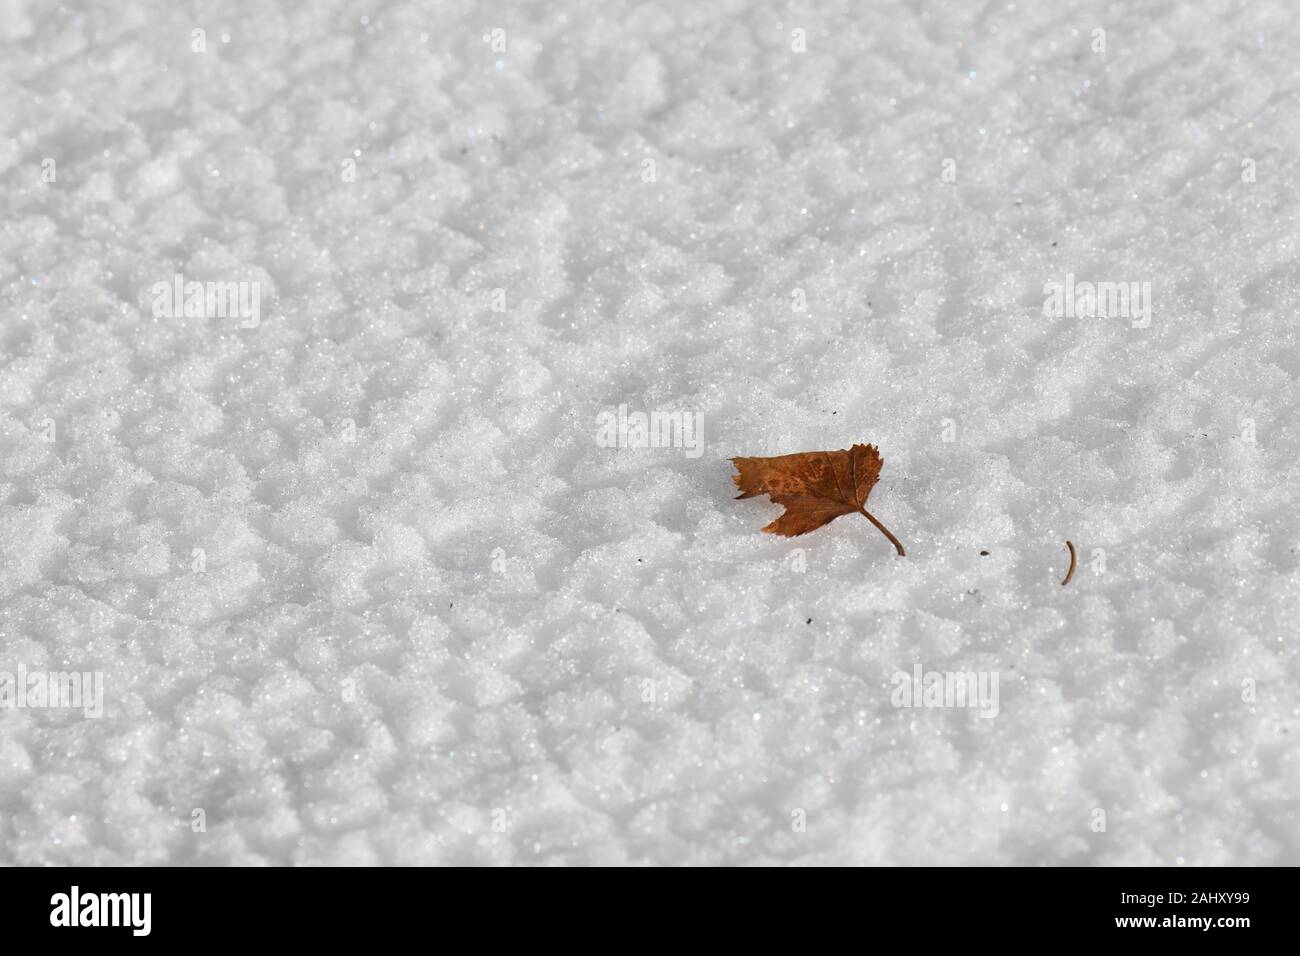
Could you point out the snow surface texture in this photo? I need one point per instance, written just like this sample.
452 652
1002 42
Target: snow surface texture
362 583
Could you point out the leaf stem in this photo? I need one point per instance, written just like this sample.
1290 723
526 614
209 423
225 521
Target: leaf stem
1073 561
885 531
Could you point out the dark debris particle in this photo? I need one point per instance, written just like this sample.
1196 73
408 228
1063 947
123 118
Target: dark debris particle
809 621
984 554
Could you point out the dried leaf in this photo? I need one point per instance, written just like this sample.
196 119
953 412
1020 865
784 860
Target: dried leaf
816 487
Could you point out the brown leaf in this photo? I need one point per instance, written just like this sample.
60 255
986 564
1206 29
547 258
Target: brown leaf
816 487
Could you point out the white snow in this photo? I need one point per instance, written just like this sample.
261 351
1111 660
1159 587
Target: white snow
363 584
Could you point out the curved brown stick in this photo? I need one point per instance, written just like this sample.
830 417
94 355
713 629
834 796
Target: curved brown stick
885 531
1073 561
